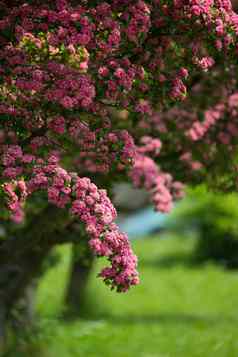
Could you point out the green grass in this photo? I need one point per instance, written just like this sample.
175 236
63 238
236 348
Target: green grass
179 310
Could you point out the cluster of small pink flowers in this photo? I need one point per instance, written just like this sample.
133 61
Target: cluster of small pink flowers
214 126
16 194
59 190
138 18
205 63
145 173
94 208
10 154
75 91
179 90
199 129
57 124
100 153
149 145
12 159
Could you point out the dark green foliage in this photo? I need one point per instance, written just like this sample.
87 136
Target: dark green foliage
214 217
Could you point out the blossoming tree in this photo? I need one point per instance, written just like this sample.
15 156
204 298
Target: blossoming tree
97 91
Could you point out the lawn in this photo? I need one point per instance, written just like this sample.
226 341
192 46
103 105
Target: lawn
179 310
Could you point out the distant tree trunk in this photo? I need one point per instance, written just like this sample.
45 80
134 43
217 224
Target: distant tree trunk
81 267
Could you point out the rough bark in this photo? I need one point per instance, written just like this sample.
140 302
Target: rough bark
21 258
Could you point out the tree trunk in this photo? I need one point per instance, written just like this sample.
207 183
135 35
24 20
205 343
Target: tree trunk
81 267
24 311
21 259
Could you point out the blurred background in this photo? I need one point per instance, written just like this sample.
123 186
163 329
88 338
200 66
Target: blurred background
185 306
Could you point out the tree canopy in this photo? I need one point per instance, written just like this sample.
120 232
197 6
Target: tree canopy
96 92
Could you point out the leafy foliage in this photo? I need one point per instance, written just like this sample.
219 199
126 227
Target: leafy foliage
214 217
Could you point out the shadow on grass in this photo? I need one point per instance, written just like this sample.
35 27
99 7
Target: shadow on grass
171 319
38 347
187 260
170 261
168 318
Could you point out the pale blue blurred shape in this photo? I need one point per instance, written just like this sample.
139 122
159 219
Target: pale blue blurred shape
147 221
144 222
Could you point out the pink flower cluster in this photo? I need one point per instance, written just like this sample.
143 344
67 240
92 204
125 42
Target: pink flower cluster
149 145
145 173
16 194
102 153
199 129
94 208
